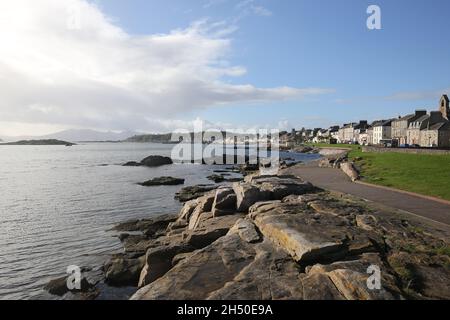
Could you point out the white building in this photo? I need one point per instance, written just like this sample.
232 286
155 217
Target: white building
382 130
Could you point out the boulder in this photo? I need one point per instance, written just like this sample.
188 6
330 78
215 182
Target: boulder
210 229
156 161
264 188
58 287
224 202
187 210
204 205
193 192
349 169
163 181
121 271
158 261
282 187
247 195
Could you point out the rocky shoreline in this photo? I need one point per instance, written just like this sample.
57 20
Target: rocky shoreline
276 237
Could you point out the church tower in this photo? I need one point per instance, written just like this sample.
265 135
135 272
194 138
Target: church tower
444 107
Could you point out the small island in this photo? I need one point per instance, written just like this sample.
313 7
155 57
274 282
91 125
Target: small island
48 142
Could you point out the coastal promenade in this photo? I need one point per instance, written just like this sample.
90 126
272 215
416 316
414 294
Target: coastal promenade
335 180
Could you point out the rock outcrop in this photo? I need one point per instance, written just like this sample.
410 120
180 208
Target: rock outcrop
289 241
156 161
87 286
193 192
122 271
262 188
163 181
278 237
151 161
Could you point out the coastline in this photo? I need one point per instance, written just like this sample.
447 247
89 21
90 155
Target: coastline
275 237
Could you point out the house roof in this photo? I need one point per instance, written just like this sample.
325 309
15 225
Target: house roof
440 126
349 125
408 117
376 123
423 118
382 123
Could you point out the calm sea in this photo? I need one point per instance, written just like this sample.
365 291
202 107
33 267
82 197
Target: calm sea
58 203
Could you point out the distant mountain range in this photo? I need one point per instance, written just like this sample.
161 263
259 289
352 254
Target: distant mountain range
78 135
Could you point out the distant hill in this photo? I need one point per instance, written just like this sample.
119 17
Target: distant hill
79 135
153 138
89 135
48 142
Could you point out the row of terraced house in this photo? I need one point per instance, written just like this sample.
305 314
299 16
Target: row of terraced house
418 129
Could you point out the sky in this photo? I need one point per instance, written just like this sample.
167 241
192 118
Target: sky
156 66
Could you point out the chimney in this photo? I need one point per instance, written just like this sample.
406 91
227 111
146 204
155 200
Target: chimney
420 113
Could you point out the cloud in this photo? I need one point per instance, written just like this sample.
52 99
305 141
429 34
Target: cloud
248 6
64 63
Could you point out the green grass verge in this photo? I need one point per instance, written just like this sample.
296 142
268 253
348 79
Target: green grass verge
419 173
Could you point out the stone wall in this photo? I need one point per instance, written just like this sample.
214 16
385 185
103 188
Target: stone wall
404 150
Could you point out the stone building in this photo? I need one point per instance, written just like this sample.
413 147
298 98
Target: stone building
414 129
400 126
349 132
436 135
432 130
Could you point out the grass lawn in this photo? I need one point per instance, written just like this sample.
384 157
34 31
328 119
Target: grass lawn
424 174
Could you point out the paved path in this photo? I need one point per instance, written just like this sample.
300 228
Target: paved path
336 180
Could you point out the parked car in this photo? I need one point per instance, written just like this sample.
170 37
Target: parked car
404 145
388 143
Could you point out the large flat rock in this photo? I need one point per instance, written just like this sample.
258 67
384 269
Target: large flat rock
308 236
